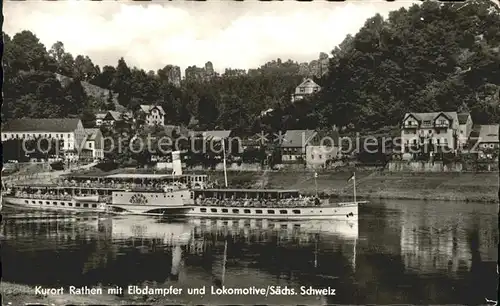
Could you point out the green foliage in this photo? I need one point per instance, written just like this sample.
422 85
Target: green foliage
433 56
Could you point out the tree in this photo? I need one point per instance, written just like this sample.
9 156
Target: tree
121 83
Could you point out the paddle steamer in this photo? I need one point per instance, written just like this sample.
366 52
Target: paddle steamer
145 194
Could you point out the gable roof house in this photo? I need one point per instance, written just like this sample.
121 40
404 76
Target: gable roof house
293 144
321 148
307 87
94 143
434 129
155 115
99 118
68 132
485 136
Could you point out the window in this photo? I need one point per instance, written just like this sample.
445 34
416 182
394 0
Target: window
302 89
214 210
427 122
296 211
320 157
437 141
258 211
246 211
203 209
90 145
270 211
312 156
224 210
236 211
283 211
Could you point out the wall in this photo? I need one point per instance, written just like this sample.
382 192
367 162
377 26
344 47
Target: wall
316 156
415 166
231 167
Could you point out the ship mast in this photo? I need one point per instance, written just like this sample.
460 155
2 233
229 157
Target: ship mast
354 182
224 161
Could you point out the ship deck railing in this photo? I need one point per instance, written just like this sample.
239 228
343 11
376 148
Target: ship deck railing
44 196
280 203
137 187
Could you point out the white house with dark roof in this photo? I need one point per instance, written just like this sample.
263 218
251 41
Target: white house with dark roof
99 118
94 143
68 131
307 87
154 114
293 144
439 129
321 148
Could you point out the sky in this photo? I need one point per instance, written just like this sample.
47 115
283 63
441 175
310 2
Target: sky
230 34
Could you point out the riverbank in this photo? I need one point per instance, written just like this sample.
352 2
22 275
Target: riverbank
18 294
471 187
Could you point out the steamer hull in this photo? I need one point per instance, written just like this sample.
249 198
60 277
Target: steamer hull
53 205
346 212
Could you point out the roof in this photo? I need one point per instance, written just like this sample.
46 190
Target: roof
297 138
100 115
308 82
41 125
488 133
212 134
147 108
114 115
92 133
247 190
432 116
462 118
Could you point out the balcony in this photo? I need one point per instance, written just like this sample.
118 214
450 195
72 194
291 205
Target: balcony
410 126
422 134
441 125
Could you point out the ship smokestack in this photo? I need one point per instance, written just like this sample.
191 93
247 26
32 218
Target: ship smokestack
176 163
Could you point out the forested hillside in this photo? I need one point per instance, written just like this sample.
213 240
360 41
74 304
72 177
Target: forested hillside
425 58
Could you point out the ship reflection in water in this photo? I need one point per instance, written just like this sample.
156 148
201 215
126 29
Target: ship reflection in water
398 252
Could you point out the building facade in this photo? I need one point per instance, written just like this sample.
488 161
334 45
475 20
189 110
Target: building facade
154 114
437 131
322 148
68 132
465 128
293 145
307 87
94 143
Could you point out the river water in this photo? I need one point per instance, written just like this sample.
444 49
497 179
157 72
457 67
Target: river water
410 252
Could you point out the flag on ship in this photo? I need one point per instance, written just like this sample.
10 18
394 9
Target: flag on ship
352 177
